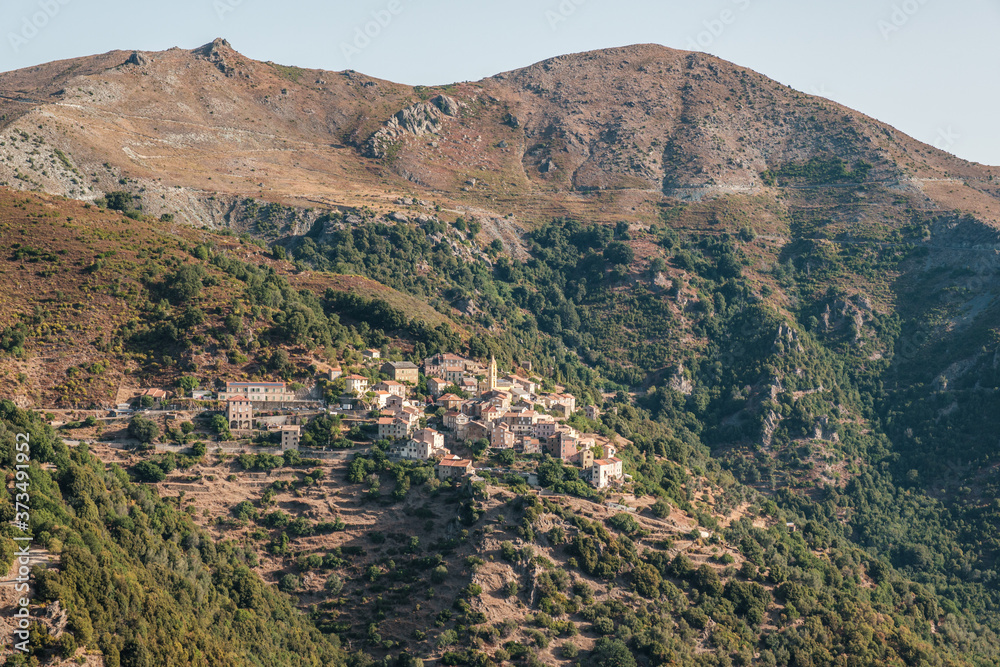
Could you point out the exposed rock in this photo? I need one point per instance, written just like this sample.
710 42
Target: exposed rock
56 619
775 389
547 167
502 144
398 217
214 54
787 338
771 422
680 382
417 120
448 105
661 280
137 59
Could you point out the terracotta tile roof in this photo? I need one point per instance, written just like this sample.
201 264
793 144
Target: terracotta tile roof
455 463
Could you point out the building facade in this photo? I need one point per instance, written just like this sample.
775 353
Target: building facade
356 383
453 468
258 392
290 436
401 371
605 472
239 413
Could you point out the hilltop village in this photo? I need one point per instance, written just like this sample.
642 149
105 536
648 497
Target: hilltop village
449 409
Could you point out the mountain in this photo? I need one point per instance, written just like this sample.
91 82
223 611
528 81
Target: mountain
604 134
785 310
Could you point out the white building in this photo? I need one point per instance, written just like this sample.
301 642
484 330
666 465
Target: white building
258 392
605 471
356 383
425 444
391 387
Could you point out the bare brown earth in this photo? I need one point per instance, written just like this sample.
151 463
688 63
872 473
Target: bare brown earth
600 136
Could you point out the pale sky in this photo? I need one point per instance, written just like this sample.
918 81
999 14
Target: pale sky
928 67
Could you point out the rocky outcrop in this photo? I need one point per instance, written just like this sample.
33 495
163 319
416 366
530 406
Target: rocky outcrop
417 120
137 59
680 382
215 53
787 339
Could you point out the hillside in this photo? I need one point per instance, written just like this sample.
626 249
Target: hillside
599 135
785 311
97 304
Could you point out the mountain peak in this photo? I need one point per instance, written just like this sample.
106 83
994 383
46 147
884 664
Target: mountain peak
214 47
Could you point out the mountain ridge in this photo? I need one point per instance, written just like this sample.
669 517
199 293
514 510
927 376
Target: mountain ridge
710 129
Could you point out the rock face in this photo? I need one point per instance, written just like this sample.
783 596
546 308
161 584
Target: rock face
787 338
680 382
448 105
216 53
417 120
137 59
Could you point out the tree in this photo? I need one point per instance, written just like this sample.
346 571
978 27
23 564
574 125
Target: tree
334 584
646 580
661 508
234 323
119 200
279 363
187 383
707 580
611 653
220 425
186 283
289 583
244 511
479 446
619 254
144 430
147 471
